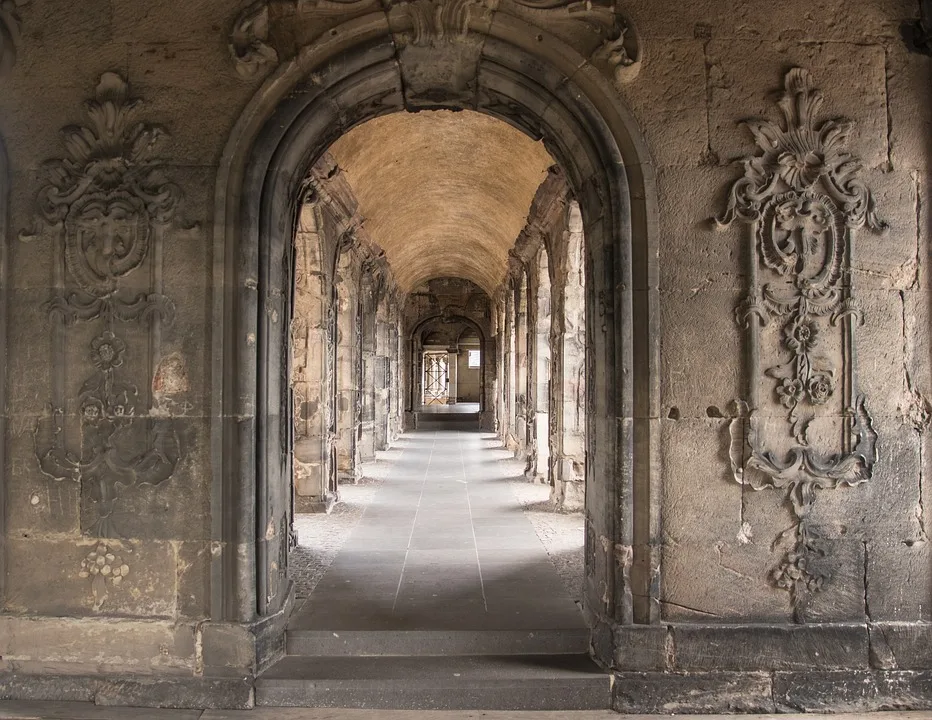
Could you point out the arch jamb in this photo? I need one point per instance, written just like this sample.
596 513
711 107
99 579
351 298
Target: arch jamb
5 241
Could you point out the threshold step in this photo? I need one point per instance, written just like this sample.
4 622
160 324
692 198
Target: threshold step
412 643
509 682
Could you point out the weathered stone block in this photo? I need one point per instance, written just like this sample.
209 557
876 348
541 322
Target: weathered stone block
693 255
669 100
901 646
36 504
889 260
97 645
194 561
769 647
676 693
690 321
908 91
643 647
777 26
716 554
899 576
228 646
832 66
57 577
847 691
230 693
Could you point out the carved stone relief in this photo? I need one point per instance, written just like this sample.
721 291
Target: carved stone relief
438 21
106 568
9 34
596 29
248 45
106 211
804 425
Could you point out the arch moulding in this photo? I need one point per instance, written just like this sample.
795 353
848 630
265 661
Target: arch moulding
371 64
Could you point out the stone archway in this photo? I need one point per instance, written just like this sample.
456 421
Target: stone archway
545 89
487 368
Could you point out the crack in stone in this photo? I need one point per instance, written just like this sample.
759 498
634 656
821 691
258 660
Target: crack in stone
918 414
917 185
886 104
867 609
691 609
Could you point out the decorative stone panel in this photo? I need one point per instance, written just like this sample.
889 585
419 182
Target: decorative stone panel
106 211
804 425
598 30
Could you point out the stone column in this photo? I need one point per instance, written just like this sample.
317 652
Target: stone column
568 384
540 469
347 371
452 370
383 389
309 346
488 402
509 370
367 387
498 390
521 371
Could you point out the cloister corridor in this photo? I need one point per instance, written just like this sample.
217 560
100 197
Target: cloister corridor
390 359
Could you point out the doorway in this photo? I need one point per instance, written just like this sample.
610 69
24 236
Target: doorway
592 138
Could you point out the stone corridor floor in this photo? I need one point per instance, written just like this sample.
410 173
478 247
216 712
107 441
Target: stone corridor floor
444 542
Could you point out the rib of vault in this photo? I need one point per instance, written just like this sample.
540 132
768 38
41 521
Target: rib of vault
443 193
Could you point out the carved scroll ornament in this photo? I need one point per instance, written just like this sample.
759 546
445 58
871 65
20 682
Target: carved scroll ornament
248 45
803 198
9 34
106 210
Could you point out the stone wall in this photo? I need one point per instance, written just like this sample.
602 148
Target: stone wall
716 582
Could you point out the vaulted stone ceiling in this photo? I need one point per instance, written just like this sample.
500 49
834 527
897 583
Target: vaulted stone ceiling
444 193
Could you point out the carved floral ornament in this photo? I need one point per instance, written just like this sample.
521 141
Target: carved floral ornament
9 33
595 27
803 198
106 208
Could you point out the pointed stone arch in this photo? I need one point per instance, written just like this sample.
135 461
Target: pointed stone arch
537 83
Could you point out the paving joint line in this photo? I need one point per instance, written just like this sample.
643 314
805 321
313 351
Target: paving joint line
417 512
472 525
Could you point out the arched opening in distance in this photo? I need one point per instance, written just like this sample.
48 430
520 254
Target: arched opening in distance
288 127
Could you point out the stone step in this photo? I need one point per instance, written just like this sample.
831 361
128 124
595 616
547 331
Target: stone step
414 643
511 682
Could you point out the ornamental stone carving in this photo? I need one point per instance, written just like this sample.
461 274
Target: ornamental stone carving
106 210
9 34
804 425
248 45
595 28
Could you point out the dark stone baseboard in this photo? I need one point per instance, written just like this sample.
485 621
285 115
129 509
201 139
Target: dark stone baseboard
232 693
778 692
761 647
859 691
675 693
